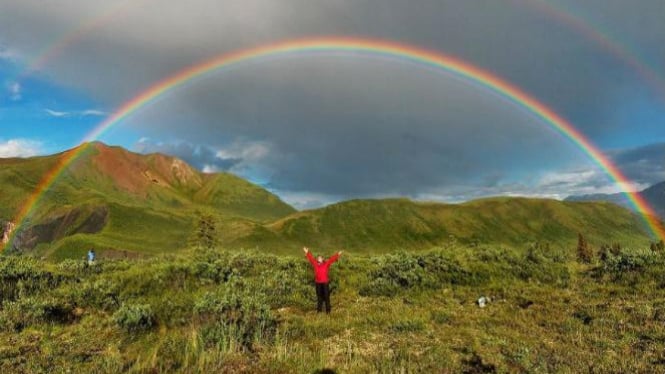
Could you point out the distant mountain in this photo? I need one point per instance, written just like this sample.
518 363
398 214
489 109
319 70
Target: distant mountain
384 225
654 195
128 200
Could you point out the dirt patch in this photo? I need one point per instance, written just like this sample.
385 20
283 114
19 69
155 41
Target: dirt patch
84 220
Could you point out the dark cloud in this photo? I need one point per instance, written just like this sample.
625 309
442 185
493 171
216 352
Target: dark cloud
645 164
337 126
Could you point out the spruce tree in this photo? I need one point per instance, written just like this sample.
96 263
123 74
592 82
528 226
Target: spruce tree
584 252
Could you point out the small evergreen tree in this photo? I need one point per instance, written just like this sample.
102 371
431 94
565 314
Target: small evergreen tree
584 251
205 233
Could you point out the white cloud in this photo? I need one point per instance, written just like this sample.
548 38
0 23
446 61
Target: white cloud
210 169
307 200
15 91
247 156
19 148
75 113
8 54
55 113
93 112
250 151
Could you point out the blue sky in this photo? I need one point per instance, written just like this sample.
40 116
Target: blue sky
317 129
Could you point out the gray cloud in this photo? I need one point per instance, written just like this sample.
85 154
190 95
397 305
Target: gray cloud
327 127
645 164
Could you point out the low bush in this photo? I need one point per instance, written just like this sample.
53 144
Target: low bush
17 315
23 276
134 317
393 273
235 320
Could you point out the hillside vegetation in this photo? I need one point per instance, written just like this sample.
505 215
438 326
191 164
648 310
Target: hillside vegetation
247 312
384 225
126 205
140 203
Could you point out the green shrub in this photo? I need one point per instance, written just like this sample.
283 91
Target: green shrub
25 312
218 271
101 293
392 273
235 320
630 265
23 276
134 318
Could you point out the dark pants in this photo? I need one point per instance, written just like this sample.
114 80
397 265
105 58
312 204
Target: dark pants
322 296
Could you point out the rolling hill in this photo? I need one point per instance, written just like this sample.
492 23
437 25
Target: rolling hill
380 225
123 203
112 198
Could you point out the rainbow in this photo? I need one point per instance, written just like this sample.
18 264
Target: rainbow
380 48
74 35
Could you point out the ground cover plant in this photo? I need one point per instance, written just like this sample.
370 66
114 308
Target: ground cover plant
213 310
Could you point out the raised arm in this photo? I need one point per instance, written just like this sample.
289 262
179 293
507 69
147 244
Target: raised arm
309 256
334 258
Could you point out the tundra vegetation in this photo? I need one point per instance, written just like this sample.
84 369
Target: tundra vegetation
208 309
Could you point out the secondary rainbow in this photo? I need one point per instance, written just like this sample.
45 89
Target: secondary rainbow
595 34
382 48
76 34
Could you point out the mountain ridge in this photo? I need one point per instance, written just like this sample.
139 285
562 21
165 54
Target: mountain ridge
164 191
653 195
117 200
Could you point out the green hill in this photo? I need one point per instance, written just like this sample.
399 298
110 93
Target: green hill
127 204
114 199
381 225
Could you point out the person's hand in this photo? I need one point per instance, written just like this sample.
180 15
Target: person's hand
305 249
339 253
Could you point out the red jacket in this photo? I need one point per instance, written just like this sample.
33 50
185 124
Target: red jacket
321 270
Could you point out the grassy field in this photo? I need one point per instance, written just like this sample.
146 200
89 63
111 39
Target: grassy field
206 310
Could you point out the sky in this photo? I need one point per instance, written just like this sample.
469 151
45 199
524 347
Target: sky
325 127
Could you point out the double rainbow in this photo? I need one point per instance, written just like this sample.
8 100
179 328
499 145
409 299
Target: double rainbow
380 48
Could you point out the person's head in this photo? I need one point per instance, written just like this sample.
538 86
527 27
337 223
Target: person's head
319 259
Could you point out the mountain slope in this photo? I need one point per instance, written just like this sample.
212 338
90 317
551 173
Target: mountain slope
381 225
654 196
123 203
136 202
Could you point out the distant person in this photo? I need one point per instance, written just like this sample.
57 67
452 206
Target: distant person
321 267
91 257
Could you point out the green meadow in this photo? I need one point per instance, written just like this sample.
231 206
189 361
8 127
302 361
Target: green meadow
216 310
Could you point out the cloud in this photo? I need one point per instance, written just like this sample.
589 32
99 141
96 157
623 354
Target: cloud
15 91
8 54
204 158
93 113
645 164
339 125
307 200
76 113
54 113
20 148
